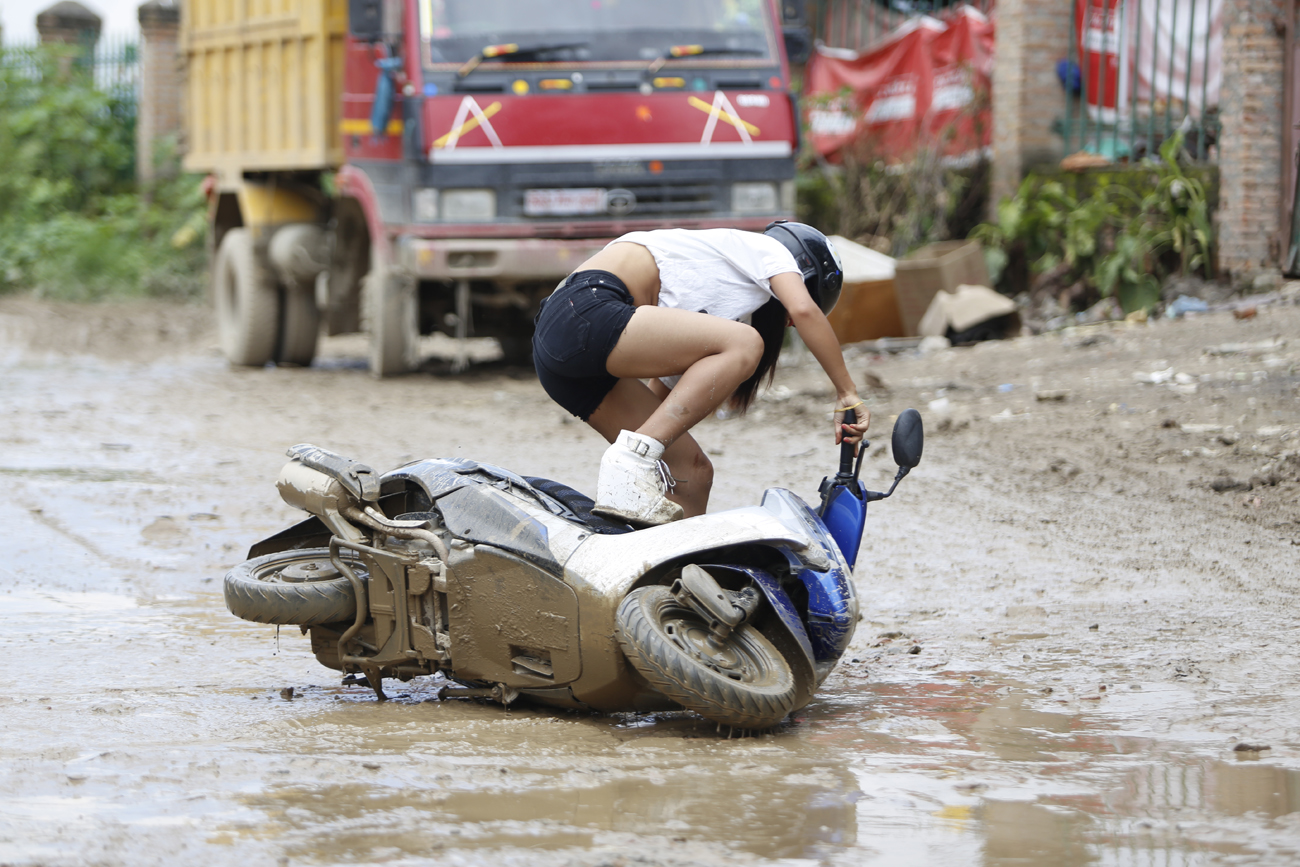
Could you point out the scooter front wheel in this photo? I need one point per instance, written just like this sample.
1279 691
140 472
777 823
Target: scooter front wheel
743 681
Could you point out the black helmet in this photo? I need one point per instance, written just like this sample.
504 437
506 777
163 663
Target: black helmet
823 272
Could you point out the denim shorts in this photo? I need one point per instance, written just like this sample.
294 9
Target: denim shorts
577 328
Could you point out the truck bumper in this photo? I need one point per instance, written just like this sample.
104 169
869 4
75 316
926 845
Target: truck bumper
506 259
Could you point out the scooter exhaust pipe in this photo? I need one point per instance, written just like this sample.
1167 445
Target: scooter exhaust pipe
318 494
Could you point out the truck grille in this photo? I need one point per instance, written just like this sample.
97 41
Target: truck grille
655 200
663 199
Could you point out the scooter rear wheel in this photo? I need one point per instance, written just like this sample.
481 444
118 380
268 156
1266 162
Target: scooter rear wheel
299 587
743 682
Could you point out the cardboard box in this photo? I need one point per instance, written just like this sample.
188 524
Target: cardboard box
866 311
939 267
958 315
868 305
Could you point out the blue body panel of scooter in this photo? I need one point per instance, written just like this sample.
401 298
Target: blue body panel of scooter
832 601
845 514
832 607
831 612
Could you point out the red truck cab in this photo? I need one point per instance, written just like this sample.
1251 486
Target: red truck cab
523 136
490 146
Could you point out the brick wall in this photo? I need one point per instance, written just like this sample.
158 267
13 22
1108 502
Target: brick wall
1032 36
1250 145
161 86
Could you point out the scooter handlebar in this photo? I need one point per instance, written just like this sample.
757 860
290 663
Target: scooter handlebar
846 449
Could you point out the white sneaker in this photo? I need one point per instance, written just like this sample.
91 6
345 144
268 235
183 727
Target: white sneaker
633 481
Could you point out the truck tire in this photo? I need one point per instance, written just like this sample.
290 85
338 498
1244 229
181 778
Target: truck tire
393 322
748 684
281 588
299 329
247 301
517 350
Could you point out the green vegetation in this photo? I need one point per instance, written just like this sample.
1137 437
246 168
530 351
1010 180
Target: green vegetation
893 208
73 224
1116 241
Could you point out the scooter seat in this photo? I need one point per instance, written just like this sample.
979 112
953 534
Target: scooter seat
580 505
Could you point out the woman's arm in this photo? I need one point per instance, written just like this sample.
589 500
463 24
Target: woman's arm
820 339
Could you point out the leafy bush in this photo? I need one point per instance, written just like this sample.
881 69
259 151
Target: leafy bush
1115 242
72 223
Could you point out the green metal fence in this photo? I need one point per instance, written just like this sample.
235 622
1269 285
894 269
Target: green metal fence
1137 72
113 61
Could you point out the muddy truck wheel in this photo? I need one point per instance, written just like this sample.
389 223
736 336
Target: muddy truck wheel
247 301
299 587
392 308
300 328
745 683
517 350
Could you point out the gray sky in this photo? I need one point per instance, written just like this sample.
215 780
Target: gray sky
19 16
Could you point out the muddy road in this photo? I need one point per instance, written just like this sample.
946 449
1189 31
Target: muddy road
1079 612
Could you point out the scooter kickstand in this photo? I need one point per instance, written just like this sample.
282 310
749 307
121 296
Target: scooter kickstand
375 681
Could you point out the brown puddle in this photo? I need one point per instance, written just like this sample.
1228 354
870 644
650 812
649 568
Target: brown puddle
954 768
961 771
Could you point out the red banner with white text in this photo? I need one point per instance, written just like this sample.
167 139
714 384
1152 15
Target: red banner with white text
927 82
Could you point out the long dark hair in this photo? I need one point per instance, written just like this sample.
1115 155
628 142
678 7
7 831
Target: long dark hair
769 321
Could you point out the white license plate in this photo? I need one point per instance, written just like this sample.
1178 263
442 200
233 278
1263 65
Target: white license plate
564 203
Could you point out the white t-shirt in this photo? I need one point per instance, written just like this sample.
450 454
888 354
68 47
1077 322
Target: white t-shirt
722 272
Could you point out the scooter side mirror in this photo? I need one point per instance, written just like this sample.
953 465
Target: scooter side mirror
908 439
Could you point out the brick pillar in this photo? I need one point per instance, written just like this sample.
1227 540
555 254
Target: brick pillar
161 88
72 25
1032 35
68 23
1250 144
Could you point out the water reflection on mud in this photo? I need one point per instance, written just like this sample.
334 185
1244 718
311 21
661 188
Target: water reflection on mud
956 767
1008 784
954 771
767 816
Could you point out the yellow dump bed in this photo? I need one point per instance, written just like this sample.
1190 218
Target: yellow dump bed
265 84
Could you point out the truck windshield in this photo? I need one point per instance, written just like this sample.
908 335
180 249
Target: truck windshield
595 31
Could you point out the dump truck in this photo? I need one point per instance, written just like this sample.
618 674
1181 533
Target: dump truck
402 167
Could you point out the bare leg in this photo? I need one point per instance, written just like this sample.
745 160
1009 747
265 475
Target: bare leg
626 408
713 356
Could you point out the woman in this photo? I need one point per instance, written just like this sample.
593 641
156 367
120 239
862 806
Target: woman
701 314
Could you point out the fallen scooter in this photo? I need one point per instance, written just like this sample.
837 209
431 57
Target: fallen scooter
510 586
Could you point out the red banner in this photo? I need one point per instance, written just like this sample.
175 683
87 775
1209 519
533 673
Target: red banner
928 81
1097 23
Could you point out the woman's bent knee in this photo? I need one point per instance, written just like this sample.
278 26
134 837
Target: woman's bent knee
691 466
702 472
748 348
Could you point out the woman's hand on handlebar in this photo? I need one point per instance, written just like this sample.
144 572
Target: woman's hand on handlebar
820 338
851 433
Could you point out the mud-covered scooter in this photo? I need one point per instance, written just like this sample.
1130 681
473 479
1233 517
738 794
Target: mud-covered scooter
510 586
